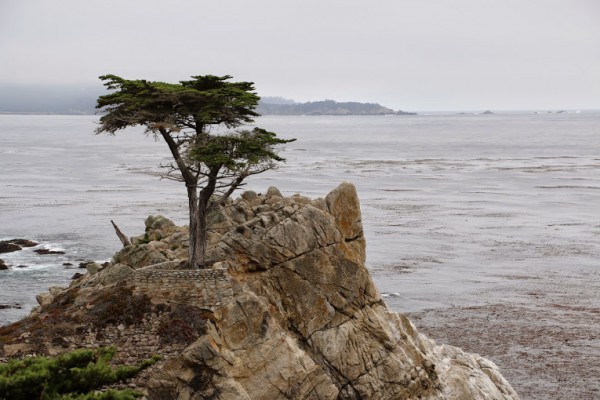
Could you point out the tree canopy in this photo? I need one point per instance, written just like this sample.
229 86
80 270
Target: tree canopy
195 104
188 116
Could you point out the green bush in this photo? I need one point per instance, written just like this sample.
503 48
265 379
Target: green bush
74 375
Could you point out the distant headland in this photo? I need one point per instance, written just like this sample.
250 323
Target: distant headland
74 100
281 106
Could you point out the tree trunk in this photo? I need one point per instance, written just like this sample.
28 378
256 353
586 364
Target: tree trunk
202 231
196 252
203 203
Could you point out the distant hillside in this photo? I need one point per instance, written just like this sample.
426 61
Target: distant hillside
82 100
325 107
49 99
276 100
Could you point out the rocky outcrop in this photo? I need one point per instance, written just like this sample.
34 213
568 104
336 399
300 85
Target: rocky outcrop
24 242
162 242
48 251
8 247
307 320
287 311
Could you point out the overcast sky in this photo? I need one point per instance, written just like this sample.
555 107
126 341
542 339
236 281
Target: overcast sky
405 54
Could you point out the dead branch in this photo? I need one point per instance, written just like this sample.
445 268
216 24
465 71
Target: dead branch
120 234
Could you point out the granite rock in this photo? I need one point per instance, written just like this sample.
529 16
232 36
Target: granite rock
307 322
287 310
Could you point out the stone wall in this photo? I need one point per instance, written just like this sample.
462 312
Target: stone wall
205 288
133 343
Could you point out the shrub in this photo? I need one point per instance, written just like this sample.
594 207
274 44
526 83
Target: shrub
74 375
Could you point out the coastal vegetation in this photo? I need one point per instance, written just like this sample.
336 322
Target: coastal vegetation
70 376
186 116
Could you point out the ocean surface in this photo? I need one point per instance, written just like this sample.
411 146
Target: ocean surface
453 205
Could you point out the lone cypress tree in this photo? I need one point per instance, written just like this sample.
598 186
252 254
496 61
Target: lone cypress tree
185 115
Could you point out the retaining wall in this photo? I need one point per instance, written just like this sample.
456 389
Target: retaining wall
205 288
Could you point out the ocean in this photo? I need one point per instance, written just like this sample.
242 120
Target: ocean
453 205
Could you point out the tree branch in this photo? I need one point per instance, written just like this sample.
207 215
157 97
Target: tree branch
120 234
233 186
187 176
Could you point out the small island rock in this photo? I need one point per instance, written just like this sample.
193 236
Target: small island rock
8 247
24 242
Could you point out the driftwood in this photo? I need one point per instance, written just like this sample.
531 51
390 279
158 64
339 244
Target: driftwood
120 234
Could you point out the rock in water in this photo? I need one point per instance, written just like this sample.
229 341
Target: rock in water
8 247
48 251
7 306
24 242
289 311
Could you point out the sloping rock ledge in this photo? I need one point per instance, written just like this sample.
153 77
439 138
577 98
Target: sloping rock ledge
287 311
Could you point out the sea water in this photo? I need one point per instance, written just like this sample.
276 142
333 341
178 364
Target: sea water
451 204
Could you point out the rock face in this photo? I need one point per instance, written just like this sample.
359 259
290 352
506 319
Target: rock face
307 321
288 311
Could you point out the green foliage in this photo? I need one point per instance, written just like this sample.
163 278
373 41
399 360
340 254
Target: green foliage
239 151
195 104
74 375
183 114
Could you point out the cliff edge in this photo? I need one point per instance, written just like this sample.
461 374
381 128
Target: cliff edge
288 310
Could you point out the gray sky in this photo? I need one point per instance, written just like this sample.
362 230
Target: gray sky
405 54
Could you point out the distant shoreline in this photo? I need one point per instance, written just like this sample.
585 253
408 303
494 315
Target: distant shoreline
324 107
469 113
